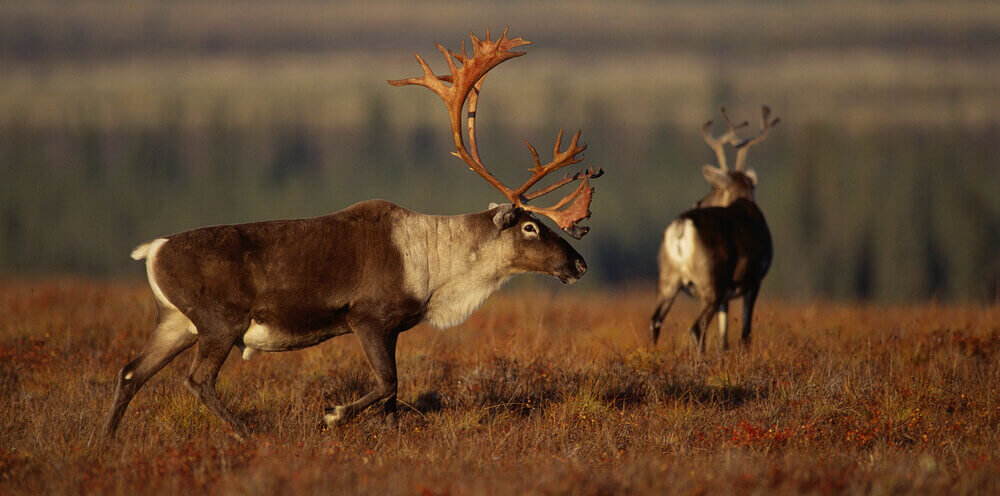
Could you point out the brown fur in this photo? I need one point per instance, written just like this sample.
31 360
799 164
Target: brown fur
300 282
730 256
300 276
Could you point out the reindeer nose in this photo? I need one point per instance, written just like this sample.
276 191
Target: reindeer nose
580 267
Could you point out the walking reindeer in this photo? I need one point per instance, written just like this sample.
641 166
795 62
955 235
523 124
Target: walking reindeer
373 269
721 249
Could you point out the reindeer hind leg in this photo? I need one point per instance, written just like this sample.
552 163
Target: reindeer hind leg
219 329
667 293
699 329
170 337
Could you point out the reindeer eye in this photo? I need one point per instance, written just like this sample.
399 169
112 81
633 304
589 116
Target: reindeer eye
529 228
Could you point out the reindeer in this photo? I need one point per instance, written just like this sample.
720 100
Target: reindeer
374 269
721 249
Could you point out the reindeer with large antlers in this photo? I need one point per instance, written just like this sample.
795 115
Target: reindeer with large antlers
721 249
374 269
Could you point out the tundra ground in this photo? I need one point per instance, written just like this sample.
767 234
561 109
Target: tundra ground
539 392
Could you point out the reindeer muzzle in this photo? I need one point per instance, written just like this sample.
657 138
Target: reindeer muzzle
573 271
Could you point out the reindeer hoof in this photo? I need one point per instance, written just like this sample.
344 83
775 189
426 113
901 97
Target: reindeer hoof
335 416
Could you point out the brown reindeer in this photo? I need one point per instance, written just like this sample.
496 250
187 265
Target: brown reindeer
374 269
721 249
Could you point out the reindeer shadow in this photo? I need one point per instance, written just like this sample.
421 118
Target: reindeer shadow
627 395
726 397
511 388
428 402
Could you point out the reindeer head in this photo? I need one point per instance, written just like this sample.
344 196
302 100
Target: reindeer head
535 247
731 185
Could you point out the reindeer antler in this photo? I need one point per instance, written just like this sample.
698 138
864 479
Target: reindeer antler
745 144
466 84
740 144
729 136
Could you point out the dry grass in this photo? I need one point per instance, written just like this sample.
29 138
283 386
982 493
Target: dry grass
539 392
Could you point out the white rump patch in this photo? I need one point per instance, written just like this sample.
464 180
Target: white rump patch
681 242
149 251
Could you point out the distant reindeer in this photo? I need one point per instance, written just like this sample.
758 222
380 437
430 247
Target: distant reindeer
721 249
374 269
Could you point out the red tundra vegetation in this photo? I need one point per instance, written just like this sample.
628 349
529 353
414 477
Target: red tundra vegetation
539 392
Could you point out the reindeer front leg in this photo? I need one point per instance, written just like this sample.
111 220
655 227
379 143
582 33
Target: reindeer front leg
749 299
724 324
379 344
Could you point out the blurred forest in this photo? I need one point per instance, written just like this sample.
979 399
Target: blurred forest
121 121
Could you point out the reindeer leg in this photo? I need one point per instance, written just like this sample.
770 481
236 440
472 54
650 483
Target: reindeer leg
665 300
213 349
379 346
724 324
169 338
700 326
749 300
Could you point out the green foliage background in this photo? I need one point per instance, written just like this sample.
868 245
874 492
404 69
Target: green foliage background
122 121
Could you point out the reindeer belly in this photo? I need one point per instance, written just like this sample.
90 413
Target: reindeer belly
293 329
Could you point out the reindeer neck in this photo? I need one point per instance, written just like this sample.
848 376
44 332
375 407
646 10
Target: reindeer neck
453 263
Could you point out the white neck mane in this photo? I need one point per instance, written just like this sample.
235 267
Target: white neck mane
450 267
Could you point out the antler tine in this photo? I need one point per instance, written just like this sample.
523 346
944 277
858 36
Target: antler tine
745 144
590 173
718 144
559 160
729 124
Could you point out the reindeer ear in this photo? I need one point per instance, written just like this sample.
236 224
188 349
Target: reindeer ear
504 216
752 175
715 176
